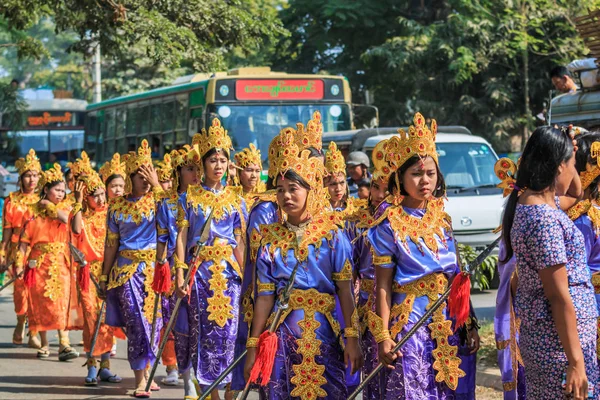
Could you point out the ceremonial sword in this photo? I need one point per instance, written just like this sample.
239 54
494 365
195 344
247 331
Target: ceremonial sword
439 302
80 259
205 233
7 284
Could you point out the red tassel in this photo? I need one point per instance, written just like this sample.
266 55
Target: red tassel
265 358
29 277
458 302
83 278
162 278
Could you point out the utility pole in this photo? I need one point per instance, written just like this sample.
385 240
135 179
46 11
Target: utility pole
97 97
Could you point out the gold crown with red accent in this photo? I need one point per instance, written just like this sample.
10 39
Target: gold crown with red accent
93 182
54 174
420 141
334 160
291 158
506 170
382 169
164 168
248 156
113 167
215 138
285 139
182 156
312 136
133 161
29 163
592 171
81 166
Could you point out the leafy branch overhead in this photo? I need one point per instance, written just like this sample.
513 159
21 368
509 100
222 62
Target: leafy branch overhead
168 31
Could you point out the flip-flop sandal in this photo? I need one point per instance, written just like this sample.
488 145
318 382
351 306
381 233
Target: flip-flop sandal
91 378
43 352
141 394
68 353
154 387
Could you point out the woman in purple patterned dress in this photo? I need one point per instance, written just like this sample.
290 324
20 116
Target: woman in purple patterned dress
554 298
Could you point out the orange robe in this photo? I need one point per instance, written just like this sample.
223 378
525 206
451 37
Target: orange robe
17 211
91 243
52 298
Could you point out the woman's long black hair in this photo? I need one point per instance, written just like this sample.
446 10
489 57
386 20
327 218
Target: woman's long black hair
545 151
440 186
583 157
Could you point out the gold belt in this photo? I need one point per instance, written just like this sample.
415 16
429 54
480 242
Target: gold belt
446 360
308 375
120 275
53 289
50 246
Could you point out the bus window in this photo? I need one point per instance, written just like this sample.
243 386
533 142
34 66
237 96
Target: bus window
181 112
144 119
168 117
155 118
120 116
110 123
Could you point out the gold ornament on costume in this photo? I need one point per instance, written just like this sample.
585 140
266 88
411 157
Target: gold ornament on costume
164 168
29 163
92 182
248 156
420 141
133 161
113 167
215 138
383 170
334 160
81 166
592 171
183 156
506 171
54 174
312 136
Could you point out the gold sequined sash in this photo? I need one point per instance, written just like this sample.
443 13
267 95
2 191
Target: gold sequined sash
51 250
445 355
366 286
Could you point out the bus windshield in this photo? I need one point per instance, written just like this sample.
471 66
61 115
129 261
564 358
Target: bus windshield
259 124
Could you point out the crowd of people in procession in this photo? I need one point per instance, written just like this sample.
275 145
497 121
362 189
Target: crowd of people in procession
217 250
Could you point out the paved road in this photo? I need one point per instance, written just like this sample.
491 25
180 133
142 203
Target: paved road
23 376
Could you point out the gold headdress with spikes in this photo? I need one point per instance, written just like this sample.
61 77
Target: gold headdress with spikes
285 139
248 156
334 160
420 140
54 174
133 162
312 136
164 168
29 163
506 171
93 182
183 156
81 166
215 138
592 171
382 169
113 167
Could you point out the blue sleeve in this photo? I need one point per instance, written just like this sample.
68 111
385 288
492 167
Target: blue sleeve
265 282
383 245
342 257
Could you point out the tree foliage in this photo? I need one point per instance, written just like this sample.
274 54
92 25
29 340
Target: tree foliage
13 109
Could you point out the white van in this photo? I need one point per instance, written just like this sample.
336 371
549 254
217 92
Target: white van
474 202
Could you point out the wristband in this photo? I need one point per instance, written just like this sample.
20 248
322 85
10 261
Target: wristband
351 333
103 278
252 343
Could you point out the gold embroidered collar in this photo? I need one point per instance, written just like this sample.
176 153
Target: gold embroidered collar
227 200
279 236
432 224
23 199
145 207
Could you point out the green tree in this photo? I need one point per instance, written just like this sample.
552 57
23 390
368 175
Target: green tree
13 109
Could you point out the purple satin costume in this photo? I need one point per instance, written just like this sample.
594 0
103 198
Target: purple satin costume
125 304
166 217
414 375
314 273
201 343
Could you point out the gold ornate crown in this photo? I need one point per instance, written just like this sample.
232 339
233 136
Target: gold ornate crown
290 157
113 167
420 141
215 138
183 156
92 182
29 163
312 136
592 171
334 160
164 168
506 171
382 169
249 155
133 160
81 166
54 174
285 139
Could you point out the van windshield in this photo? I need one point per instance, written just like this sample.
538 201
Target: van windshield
468 166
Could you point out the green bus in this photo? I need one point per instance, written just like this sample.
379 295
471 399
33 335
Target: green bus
253 104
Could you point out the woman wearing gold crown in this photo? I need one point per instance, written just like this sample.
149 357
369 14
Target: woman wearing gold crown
128 267
415 256
17 211
207 323
48 274
113 176
249 163
309 360
89 228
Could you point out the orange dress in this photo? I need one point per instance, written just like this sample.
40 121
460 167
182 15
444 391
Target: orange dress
91 243
52 297
17 211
